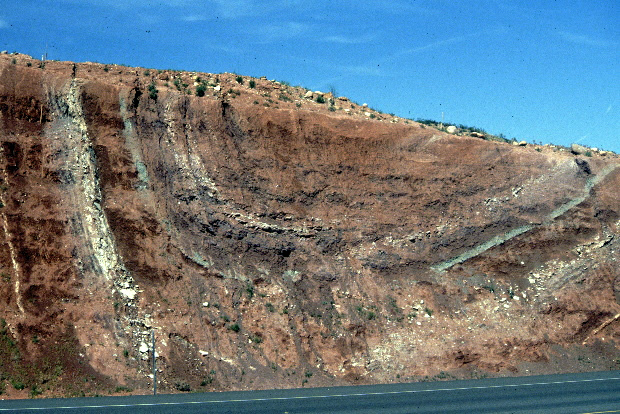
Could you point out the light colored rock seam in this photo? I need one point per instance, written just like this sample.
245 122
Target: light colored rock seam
600 328
500 239
7 233
87 199
97 229
131 143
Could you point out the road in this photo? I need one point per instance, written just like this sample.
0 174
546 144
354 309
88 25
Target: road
568 393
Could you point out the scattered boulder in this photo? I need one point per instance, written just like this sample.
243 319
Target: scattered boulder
4 52
451 129
522 143
163 76
477 135
308 95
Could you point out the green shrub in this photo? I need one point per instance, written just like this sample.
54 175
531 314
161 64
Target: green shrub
120 388
320 99
588 153
200 89
234 327
239 79
252 84
147 72
249 289
153 91
14 61
17 384
206 381
182 386
35 391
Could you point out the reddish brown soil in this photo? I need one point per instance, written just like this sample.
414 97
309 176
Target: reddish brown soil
273 241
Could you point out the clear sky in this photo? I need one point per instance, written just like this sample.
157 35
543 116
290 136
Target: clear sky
542 71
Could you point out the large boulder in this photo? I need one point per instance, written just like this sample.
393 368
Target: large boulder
578 149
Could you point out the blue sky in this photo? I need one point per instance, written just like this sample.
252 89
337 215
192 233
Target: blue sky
542 71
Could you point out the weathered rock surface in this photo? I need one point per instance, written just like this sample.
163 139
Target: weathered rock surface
271 243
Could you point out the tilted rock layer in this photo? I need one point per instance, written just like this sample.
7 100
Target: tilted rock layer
273 241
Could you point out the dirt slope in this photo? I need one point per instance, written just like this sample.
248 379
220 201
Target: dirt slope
274 241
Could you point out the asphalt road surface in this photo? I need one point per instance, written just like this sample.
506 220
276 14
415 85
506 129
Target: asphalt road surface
591 393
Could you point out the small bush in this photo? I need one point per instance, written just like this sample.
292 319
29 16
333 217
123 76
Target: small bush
200 89
18 384
206 381
270 307
105 69
29 64
320 99
183 386
153 91
239 79
332 109
14 61
588 153
234 327
147 72
252 84
35 391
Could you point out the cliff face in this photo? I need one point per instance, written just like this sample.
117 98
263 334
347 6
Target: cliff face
271 241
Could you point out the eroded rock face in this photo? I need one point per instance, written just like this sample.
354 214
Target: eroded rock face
273 242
